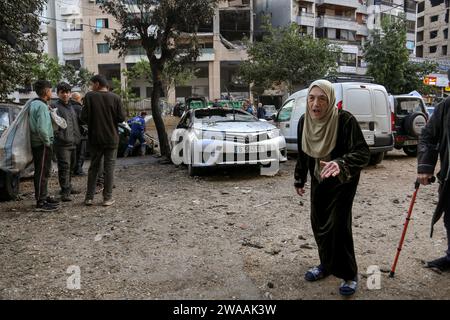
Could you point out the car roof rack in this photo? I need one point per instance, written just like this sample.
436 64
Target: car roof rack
350 78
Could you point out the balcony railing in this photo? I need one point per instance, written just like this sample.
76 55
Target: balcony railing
337 22
306 19
343 3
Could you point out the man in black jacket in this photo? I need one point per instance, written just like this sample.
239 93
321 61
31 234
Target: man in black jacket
102 112
66 140
434 142
76 102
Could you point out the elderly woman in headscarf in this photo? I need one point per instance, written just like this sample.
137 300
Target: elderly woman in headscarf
332 147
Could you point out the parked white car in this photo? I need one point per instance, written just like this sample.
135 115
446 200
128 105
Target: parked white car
369 104
223 136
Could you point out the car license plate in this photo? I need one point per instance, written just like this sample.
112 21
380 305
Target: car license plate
370 138
249 149
410 143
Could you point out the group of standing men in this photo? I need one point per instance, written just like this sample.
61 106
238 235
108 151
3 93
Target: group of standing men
101 113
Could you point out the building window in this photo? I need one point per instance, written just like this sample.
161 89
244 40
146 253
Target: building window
433 49
74 63
101 23
102 48
445 32
433 34
419 51
419 36
434 18
420 22
73 25
348 59
421 7
444 50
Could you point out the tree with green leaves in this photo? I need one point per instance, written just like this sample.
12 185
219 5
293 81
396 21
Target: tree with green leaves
285 55
48 68
167 30
20 38
388 58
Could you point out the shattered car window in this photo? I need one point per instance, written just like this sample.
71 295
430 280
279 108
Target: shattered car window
223 115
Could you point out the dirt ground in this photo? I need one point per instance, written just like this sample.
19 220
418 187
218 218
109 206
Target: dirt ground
225 235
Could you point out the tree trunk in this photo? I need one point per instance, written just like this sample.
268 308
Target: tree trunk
156 112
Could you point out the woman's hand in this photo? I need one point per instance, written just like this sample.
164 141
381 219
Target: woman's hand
424 178
300 191
329 169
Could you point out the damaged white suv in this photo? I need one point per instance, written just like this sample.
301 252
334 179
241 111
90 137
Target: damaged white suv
225 136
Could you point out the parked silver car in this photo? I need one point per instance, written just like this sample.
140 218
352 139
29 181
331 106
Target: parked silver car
9 182
223 136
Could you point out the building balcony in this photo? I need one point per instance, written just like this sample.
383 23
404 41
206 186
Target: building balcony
362 30
306 19
72 46
135 54
362 9
337 22
75 34
343 3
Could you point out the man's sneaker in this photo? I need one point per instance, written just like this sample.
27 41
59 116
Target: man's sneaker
109 202
45 206
88 202
52 200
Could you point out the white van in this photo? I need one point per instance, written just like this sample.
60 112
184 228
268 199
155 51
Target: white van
366 101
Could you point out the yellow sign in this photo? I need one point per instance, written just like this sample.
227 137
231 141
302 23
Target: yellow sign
447 88
430 81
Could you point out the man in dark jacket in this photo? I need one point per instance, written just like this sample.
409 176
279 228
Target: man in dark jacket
76 103
66 140
102 112
434 142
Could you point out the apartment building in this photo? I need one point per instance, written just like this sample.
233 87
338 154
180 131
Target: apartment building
432 29
222 50
346 23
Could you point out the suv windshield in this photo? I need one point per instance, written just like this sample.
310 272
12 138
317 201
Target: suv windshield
406 106
286 111
223 115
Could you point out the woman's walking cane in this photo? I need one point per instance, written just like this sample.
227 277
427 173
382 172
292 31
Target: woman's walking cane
408 217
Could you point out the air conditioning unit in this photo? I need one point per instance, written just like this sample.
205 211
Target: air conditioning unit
91 0
97 30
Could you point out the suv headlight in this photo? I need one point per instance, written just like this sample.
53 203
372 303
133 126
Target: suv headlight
273 133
